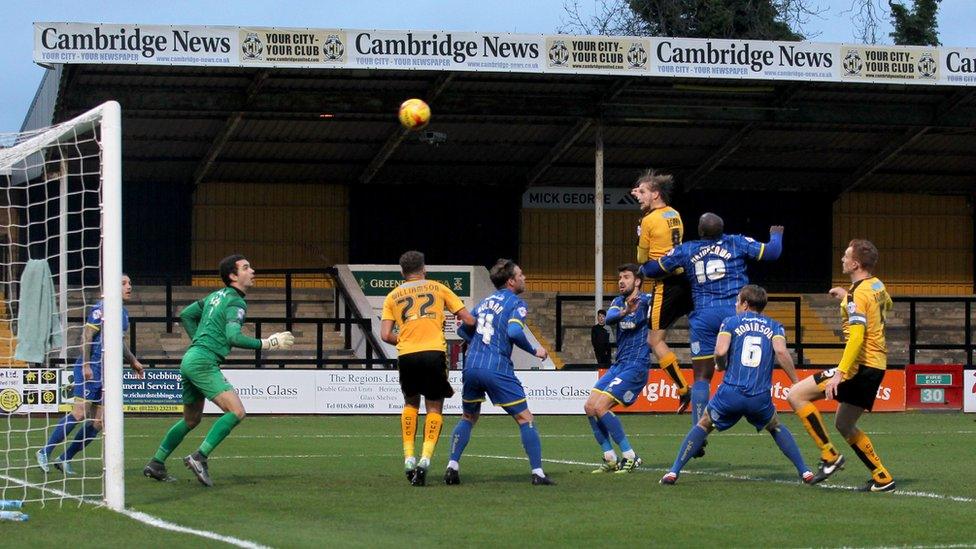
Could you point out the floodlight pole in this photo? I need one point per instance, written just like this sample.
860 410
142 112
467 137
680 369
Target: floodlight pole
598 218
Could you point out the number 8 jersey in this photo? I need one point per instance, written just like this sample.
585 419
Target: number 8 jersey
417 308
490 347
751 356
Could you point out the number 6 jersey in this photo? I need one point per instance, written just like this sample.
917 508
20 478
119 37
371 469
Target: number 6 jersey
751 356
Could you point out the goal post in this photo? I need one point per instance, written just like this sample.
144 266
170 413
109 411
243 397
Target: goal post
61 217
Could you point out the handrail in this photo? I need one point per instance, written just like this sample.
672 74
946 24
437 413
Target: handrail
260 360
798 345
347 311
171 280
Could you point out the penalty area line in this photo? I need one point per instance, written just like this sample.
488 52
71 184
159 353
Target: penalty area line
903 493
157 522
144 518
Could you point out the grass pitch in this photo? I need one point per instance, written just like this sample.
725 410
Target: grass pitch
338 481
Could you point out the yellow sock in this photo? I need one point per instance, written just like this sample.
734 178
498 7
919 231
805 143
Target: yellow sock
813 422
865 450
408 426
432 431
669 363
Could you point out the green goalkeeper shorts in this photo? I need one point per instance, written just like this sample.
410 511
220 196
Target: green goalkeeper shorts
201 376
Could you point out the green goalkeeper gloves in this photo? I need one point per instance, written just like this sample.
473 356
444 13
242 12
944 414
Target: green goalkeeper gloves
280 340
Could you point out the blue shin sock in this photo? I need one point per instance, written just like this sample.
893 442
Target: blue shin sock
612 424
60 432
787 444
699 399
601 434
689 447
84 437
532 444
460 438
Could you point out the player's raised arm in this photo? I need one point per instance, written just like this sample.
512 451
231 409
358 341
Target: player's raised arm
774 248
783 357
190 318
234 316
467 319
388 321
516 333
857 322
466 332
722 343
386 332
655 268
614 314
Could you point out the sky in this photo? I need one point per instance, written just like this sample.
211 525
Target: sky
20 77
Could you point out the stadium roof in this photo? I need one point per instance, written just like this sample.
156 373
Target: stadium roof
189 124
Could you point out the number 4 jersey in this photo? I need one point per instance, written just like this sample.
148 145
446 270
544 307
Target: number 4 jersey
490 347
417 308
750 358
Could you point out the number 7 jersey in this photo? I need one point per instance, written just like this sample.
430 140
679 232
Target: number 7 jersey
417 308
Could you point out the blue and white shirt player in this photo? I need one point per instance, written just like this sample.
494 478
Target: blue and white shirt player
87 407
626 379
91 389
716 269
749 342
488 368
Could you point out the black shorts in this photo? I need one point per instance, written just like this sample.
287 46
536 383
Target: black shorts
670 300
859 390
425 373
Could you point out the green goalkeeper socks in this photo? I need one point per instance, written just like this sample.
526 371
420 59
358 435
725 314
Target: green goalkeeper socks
219 432
173 438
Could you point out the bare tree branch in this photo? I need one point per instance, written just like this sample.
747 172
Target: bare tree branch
867 16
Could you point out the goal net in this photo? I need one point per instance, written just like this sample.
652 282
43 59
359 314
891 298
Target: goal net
60 255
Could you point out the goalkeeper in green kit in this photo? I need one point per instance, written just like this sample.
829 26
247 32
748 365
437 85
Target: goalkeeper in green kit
214 326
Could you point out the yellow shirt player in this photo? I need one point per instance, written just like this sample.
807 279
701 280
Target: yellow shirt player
417 308
854 382
864 308
660 230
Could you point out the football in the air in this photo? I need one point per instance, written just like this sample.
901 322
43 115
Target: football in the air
414 114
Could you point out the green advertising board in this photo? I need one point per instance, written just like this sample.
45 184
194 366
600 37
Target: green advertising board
380 283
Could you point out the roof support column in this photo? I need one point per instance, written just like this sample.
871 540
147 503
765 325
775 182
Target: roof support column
598 218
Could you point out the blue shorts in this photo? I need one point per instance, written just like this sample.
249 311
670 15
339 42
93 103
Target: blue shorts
90 390
728 406
704 324
624 382
503 388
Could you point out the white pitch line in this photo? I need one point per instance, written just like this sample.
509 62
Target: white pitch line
949 546
911 493
146 518
54 491
166 525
